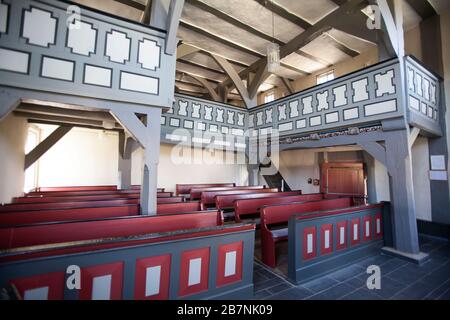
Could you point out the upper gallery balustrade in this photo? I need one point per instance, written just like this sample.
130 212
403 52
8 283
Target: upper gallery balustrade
45 45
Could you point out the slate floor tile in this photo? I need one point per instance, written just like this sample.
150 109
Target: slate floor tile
279 287
362 294
334 293
296 293
267 284
418 290
347 273
320 284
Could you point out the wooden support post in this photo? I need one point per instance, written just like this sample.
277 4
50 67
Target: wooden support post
126 148
45 145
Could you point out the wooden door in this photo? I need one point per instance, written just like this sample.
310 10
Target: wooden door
343 178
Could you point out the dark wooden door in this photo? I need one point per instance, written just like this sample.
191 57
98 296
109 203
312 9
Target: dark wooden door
343 178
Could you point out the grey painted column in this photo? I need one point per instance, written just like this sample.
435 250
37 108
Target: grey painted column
253 174
398 159
151 159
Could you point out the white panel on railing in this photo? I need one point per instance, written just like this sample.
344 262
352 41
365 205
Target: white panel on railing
139 83
195 271
12 60
230 263
380 107
152 280
101 287
82 38
149 53
40 293
3 17
97 76
118 46
39 27
57 69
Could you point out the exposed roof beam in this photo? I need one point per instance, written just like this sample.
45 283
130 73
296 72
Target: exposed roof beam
237 81
295 69
220 39
134 4
423 8
213 94
313 58
56 123
298 42
196 75
339 2
198 65
145 17
342 47
231 20
288 85
284 13
184 50
53 111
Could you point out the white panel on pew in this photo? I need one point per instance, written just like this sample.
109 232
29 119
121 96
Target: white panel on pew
57 69
378 226
12 60
341 235
195 271
36 294
152 280
367 228
309 243
230 263
97 76
327 239
149 54
3 17
39 27
139 83
81 38
101 287
355 232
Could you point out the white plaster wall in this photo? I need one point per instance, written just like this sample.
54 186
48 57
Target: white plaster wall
381 182
81 157
296 166
13 135
421 180
170 172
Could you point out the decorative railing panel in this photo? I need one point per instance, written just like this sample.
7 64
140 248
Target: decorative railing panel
365 96
45 46
423 96
200 120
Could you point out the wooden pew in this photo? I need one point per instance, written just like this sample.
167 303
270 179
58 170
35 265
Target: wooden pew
196 193
75 188
17 218
274 220
79 204
323 241
89 193
249 208
185 188
83 198
208 198
226 202
57 232
162 248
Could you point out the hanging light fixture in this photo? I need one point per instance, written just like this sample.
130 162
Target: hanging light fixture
273 51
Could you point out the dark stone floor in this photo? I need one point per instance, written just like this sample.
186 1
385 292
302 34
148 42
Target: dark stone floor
399 279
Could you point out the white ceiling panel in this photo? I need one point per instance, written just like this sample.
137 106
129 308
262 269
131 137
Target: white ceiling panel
350 41
304 63
323 48
183 67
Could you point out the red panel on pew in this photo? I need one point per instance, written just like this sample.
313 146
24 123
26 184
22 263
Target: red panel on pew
197 192
152 278
326 238
41 287
309 240
186 188
65 205
208 197
229 269
76 188
102 282
194 271
227 201
341 235
175 208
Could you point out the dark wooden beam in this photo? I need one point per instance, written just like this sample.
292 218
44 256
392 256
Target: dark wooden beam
198 65
295 69
313 58
423 8
342 47
133 4
220 39
284 13
233 21
339 2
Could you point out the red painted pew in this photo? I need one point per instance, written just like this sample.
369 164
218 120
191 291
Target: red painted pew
224 202
208 198
196 193
90 193
185 188
249 208
50 233
75 188
274 221
17 218
81 198
79 204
